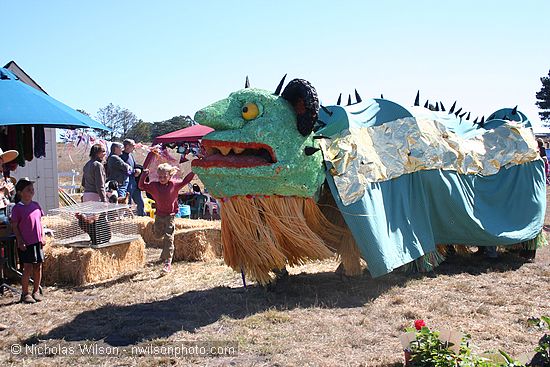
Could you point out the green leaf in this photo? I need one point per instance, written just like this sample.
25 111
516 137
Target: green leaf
506 355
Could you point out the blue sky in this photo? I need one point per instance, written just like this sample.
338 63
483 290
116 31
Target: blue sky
166 58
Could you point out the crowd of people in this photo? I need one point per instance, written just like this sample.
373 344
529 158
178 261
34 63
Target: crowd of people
114 180
117 178
121 180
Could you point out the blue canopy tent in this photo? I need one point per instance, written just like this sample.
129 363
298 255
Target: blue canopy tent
20 104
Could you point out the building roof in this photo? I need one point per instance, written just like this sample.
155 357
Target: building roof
24 77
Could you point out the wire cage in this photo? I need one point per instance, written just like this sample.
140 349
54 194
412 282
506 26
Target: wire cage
93 224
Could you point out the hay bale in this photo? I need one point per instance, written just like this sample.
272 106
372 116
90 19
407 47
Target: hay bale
193 244
58 223
182 223
182 226
143 223
145 229
79 266
48 241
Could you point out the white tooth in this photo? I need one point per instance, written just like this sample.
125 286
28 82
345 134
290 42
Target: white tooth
224 150
238 150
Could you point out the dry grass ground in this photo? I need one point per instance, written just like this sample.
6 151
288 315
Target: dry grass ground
313 318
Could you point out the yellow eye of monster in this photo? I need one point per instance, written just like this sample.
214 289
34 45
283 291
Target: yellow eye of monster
250 111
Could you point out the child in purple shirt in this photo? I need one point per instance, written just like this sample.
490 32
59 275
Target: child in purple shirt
27 225
165 193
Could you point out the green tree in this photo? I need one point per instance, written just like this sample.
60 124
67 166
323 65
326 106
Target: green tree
173 124
543 99
127 120
108 116
119 120
140 132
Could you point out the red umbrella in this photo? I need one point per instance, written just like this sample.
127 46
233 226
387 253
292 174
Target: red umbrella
191 134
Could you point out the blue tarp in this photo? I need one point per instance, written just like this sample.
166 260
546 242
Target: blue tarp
400 220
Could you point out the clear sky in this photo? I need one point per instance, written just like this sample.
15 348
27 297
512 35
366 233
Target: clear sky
165 58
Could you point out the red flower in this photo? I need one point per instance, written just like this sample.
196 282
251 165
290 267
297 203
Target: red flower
418 324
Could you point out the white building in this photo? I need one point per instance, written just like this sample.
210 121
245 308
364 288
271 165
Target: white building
41 170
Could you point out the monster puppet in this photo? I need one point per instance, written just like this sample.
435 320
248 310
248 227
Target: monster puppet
257 163
397 182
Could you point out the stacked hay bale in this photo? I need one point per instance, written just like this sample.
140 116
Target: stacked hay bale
82 265
197 244
56 221
194 239
78 266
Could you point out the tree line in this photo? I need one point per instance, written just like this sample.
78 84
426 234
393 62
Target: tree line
124 124
543 100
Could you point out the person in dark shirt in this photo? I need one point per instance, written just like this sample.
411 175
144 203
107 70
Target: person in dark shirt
118 170
542 149
133 189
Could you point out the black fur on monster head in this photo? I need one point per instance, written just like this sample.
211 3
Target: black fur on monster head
303 97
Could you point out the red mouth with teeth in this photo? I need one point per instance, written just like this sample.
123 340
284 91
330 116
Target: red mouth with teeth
235 154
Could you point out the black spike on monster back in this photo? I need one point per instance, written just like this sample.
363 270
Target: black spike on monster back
319 124
515 110
427 104
381 96
349 100
357 97
468 117
311 150
417 99
437 106
247 83
327 111
452 108
280 86
339 99
442 107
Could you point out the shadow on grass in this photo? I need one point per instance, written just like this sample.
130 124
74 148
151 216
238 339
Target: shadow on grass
476 265
131 324
132 276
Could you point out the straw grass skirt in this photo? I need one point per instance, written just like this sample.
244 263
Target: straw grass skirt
261 235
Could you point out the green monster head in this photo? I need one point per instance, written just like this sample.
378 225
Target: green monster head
259 143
